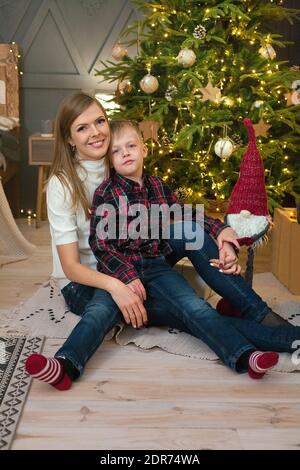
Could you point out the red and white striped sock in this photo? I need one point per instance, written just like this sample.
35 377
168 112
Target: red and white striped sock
49 370
260 362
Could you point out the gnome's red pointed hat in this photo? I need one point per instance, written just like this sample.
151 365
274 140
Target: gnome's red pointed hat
247 212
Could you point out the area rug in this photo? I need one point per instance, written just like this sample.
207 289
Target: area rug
14 382
46 313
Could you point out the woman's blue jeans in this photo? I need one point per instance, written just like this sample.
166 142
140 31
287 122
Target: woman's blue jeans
233 288
172 302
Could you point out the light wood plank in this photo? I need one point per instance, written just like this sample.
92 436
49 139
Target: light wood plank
120 438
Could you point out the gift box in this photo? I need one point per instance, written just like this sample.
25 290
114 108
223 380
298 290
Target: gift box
286 249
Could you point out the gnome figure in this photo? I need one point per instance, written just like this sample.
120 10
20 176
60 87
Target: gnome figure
247 212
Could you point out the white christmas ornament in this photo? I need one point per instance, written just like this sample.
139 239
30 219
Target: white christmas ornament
119 52
186 57
149 84
267 52
296 85
224 148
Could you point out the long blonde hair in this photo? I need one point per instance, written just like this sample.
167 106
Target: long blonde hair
64 162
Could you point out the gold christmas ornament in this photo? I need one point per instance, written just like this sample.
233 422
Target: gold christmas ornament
295 97
125 86
288 97
267 52
224 147
119 52
211 93
149 83
186 57
261 128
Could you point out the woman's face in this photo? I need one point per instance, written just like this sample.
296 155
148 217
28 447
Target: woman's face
90 133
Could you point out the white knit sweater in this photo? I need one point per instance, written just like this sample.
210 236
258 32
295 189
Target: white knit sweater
68 225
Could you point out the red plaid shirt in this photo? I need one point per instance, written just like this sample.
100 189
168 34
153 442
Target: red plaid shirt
115 255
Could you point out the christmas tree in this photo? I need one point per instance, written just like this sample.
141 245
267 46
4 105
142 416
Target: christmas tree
201 67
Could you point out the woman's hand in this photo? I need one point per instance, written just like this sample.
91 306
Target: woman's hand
228 261
129 302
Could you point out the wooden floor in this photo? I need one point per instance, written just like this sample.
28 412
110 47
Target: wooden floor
134 399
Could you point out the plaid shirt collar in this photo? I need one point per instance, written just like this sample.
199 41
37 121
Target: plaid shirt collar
127 184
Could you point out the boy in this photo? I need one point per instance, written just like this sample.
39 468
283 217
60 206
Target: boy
140 264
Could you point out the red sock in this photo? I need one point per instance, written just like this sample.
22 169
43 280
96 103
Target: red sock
260 362
226 309
49 370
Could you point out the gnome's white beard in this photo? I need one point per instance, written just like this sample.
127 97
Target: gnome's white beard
246 224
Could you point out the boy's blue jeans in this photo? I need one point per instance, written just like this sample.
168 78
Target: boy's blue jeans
172 302
232 288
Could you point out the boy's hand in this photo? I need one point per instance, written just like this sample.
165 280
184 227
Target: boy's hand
137 287
227 235
129 303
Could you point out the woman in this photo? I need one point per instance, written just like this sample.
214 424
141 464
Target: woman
82 137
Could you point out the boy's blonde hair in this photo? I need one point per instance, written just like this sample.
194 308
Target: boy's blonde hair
119 125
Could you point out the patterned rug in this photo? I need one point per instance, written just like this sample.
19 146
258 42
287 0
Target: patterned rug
46 313
14 382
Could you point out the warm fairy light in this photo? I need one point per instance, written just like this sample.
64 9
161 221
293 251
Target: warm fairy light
155 10
229 102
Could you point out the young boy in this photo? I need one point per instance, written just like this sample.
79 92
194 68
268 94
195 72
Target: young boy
139 262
